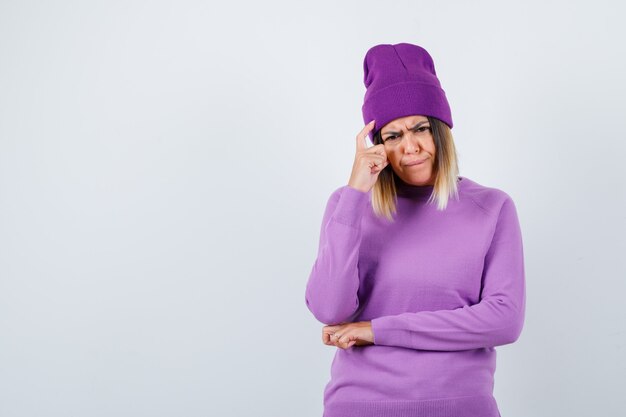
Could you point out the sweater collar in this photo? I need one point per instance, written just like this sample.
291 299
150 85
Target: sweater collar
404 189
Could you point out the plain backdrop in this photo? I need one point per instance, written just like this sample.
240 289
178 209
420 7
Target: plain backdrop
164 167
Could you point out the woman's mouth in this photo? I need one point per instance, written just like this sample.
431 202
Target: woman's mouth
416 162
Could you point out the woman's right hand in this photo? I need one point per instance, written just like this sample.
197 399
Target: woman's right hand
368 162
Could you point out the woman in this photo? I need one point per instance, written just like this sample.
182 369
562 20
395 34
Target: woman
415 295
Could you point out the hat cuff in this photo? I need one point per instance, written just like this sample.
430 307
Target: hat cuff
405 99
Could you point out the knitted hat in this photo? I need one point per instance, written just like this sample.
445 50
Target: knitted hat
401 81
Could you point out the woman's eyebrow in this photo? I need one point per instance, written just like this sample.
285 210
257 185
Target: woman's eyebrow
414 127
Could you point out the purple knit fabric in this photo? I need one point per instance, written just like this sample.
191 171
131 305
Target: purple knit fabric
401 81
442 289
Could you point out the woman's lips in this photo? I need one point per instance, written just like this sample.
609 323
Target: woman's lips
417 162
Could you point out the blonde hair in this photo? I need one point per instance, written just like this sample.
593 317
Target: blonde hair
446 173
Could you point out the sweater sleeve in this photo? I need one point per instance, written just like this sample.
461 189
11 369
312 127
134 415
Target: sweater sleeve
331 290
497 319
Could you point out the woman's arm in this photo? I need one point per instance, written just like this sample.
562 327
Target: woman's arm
496 320
331 290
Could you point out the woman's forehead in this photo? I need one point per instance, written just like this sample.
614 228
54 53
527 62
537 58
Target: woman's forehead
401 122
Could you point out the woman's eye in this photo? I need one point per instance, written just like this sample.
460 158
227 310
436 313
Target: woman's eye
394 137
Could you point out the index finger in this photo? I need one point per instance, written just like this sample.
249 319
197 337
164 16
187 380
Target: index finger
360 138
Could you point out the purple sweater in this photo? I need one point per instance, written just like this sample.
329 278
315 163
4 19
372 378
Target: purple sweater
441 289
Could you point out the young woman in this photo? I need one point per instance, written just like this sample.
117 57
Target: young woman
420 272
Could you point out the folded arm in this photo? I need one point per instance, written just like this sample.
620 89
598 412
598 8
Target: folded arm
496 320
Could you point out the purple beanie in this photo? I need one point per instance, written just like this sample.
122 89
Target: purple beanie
401 81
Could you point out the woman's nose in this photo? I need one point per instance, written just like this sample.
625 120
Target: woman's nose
409 142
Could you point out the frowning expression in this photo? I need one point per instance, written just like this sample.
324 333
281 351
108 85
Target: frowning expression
410 149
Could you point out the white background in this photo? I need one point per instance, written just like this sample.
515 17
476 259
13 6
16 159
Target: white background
164 167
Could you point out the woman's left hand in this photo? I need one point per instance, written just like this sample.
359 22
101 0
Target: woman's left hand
348 334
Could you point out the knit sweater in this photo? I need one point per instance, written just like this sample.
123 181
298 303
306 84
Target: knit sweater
442 289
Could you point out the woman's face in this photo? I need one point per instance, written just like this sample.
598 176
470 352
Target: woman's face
407 140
